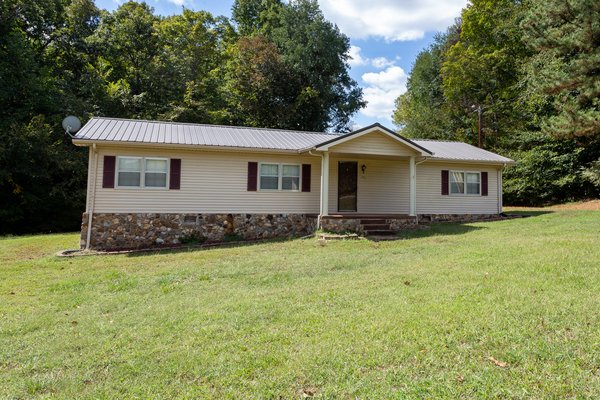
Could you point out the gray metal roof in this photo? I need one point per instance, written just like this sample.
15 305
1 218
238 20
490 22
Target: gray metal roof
175 133
460 151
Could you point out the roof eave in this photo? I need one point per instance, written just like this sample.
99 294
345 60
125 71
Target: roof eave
473 161
88 142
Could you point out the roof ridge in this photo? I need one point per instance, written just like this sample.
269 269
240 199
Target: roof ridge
217 125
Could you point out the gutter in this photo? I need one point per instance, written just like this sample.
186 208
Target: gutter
92 198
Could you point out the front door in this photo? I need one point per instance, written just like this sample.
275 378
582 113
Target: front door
347 180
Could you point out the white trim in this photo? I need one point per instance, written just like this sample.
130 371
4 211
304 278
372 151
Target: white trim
142 184
350 136
499 185
412 187
464 172
324 206
90 211
280 177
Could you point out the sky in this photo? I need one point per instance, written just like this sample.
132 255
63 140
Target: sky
385 38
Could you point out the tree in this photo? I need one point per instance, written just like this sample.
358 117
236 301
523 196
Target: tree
127 44
42 175
257 85
317 54
565 36
422 111
483 68
256 16
188 70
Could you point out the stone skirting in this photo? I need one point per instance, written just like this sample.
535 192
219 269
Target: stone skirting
427 218
113 231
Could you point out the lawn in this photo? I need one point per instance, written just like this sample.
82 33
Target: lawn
507 309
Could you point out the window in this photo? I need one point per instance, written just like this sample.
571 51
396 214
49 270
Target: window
129 172
155 173
291 177
269 176
139 172
279 177
465 182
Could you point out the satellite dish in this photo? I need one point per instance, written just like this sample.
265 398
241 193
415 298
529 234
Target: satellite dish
71 124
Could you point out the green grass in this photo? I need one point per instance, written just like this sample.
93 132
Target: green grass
413 318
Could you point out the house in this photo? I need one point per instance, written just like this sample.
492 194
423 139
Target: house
161 183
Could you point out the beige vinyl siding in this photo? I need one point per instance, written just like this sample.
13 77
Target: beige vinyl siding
384 188
374 144
431 201
211 182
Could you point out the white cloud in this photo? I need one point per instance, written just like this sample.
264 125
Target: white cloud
393 20
357 60
382 62
381 90
179 2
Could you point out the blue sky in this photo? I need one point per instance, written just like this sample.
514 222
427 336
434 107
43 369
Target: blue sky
385 35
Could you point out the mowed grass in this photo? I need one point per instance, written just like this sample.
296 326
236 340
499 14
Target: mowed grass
418 317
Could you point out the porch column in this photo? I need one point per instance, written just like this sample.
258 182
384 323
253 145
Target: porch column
324 209
413 186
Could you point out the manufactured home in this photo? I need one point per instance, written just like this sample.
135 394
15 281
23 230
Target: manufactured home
163 183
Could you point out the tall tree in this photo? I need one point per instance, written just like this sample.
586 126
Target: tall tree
483 68
565 35
422 111
127 44
257 82
316 54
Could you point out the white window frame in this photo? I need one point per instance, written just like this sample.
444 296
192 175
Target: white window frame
464 172
142 174
280 177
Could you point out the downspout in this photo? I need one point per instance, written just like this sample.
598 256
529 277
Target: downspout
92 199
416 164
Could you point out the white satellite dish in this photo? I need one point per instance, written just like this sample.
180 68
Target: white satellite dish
71 124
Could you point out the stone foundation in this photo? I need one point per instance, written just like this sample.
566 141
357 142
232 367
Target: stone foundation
427 218
134 231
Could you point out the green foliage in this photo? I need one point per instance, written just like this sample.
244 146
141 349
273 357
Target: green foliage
422 111
565 37
532 67
61 57
592 173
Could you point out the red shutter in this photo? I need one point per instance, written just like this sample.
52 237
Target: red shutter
445 182
306 177
175 174
484 183
108 173
252 176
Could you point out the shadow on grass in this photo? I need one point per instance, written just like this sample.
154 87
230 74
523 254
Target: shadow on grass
439 229
204 247
528 213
